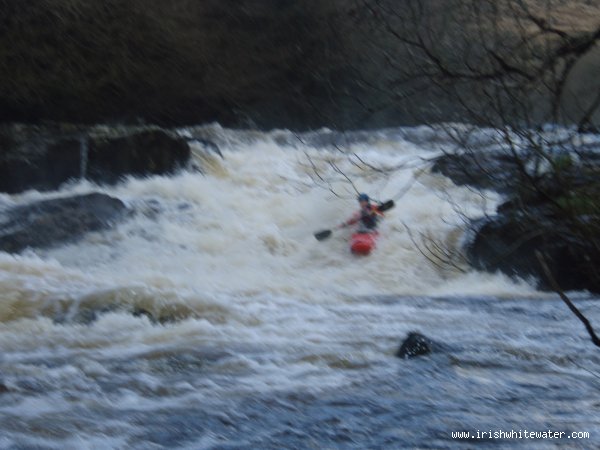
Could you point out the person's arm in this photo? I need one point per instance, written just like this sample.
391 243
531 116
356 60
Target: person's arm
355 218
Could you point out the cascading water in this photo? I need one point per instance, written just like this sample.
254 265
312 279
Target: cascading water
213 314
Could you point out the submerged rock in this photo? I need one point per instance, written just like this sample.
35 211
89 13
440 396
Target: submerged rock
43 158
51 222
415 344
3 388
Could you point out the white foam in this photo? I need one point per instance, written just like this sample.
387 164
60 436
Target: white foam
258 304
246 227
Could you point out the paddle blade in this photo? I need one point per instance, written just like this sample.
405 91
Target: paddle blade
321 235
387 205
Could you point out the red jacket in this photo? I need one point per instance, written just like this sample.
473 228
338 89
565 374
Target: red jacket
368 218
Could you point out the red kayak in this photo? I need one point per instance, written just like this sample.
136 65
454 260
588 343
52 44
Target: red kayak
363 243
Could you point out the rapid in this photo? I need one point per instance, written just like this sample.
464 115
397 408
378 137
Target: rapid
212 318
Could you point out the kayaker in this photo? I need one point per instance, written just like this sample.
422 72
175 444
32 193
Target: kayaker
368 216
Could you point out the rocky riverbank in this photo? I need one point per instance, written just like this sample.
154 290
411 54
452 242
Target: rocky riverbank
555 212
44 157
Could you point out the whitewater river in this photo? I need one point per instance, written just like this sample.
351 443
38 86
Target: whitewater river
212 318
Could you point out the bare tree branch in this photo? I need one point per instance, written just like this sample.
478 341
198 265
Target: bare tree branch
568 302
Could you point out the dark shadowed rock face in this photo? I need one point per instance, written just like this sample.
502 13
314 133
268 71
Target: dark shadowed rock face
37 163
52 222
44 158
507 242
415 344
486 170
554 213
511 174
152 152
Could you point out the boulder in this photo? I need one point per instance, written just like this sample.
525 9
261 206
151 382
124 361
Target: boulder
483 170
414 345
508 241
32 159
51 222
513 173
143 153
553 210
43 158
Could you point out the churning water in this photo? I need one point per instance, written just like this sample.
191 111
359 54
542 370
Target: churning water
212 318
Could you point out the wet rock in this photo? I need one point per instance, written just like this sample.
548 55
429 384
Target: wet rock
513 174
51 222
163 319
148 152
507 242
32 159
483 170
3 388
84 315
141 312
415 344
43 158
551 210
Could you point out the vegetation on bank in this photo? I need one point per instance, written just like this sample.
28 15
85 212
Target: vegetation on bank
336 63
172 62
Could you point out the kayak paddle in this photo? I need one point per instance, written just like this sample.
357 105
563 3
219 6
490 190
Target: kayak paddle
321 235
324 234
385 206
